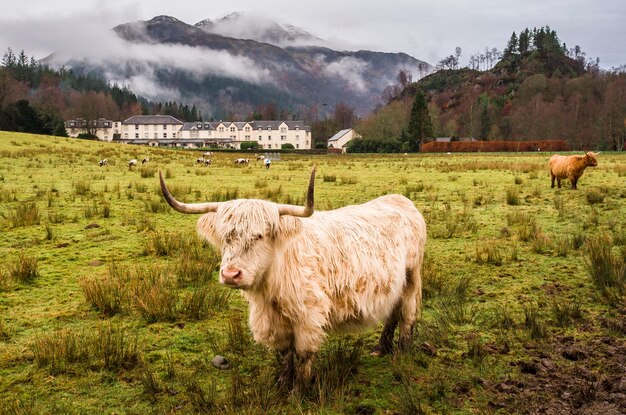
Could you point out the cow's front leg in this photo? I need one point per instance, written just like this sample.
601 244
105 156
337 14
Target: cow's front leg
307 340
304 369
287 372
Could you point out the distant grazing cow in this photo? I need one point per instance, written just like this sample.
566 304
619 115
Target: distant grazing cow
132 163
103 162
144 161
200 160
305 274
261 157
571 167
267 163
242 161
207 162
208 154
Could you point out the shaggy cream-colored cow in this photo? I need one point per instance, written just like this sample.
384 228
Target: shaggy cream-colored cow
571 167
306 273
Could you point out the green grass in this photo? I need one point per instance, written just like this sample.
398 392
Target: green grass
110 304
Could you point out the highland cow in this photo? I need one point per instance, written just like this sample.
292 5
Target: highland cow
570 167
305 274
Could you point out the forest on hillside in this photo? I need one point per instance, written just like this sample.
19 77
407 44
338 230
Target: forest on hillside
537 90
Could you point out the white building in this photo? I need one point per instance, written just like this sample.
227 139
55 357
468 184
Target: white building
165 130
342 138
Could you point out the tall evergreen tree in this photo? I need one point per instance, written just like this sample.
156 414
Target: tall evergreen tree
420 126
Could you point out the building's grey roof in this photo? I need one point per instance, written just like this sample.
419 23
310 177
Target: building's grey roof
275 125
197 125
82 123
152 119
443 139
339 135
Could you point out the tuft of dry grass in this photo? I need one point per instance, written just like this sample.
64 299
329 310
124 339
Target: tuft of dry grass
108 295
154 295
25 214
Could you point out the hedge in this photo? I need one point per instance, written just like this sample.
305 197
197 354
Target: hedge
494 146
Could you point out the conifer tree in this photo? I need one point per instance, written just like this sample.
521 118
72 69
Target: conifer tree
420 126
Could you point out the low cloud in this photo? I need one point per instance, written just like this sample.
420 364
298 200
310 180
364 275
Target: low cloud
349 69
89 39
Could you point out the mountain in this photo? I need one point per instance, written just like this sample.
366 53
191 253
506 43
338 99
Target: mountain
167 59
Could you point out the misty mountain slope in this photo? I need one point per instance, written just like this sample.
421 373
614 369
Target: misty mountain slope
249 26
167 59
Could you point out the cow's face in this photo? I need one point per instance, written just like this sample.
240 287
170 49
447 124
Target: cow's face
244 231
590 159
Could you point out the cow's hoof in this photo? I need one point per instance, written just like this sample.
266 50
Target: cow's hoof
379 351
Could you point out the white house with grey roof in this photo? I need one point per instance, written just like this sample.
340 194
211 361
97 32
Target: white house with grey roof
165 130
342 138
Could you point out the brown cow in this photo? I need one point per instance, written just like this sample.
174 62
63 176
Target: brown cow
571 167
304 274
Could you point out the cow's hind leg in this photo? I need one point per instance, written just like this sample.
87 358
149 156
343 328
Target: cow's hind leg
552 176
385 344
410 307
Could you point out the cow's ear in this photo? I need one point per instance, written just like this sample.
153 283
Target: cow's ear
206 228
287 226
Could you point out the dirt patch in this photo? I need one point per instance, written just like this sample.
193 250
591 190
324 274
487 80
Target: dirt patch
582 377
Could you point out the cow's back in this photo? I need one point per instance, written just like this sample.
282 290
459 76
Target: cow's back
364 252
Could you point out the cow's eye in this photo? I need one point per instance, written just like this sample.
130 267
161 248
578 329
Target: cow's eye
258 237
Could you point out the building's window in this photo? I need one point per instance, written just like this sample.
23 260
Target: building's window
221 129
260 128
72 124
233 137
126 128
297 128
297 145
283 129
145 135
232 129
269 146
283 137
247 129
164 135
206 125
269 128
209 133
307 142
199 125
136 126
260 138
156 135
136 135
297 136
126 136
248 137
165 126
269 138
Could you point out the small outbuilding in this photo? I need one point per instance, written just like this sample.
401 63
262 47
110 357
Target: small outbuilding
342 138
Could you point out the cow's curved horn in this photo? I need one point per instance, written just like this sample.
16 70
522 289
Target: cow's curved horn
301 211
186 207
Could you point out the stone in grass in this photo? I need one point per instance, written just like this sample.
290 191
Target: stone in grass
220 362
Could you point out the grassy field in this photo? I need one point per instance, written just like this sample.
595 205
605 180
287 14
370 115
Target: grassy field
109 303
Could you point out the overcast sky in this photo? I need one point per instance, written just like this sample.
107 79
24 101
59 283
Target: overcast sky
425 29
